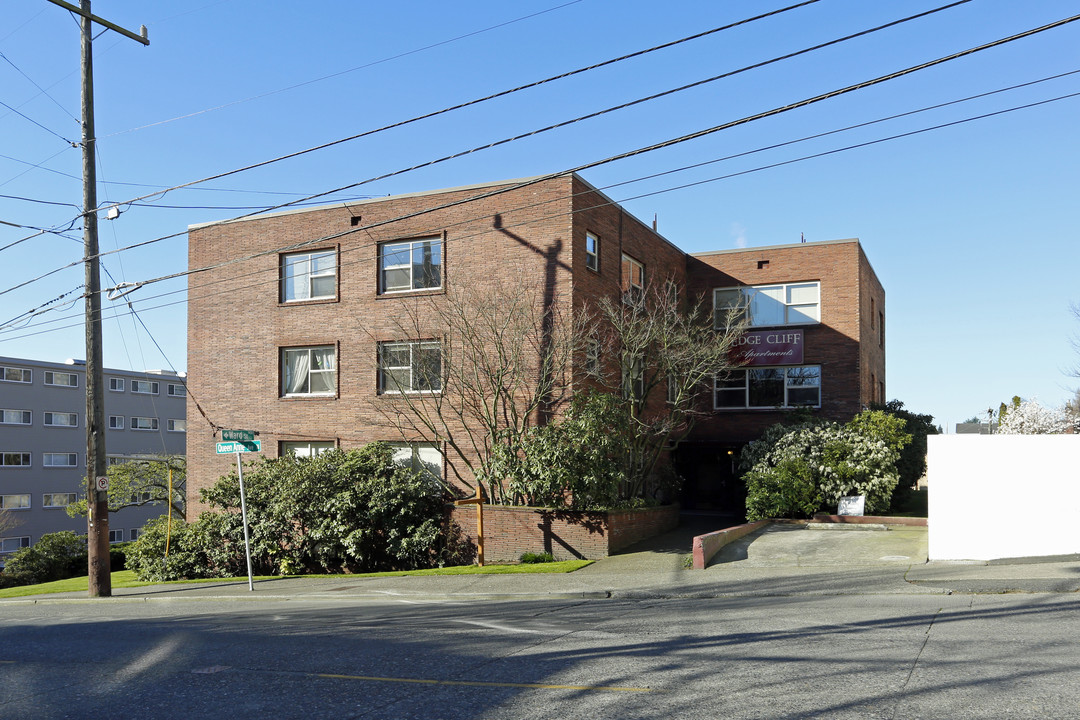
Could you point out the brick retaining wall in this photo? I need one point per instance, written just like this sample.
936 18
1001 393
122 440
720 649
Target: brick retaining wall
511 531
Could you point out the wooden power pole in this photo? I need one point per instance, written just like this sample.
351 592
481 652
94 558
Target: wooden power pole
97 484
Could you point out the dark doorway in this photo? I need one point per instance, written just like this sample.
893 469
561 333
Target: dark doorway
711 478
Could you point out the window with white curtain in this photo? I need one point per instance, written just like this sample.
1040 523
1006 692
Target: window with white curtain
424 458
301 448
309 276
763 305
309 371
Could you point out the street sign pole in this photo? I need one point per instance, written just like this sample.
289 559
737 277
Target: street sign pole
243 514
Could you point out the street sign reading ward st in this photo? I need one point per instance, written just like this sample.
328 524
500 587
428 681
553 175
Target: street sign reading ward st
238 435
225 448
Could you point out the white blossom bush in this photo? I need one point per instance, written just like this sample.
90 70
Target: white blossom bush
1031 418
858 458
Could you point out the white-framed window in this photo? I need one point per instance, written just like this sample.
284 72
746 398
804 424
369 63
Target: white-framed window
116 536
52 459
633 279
176 425
672 389
309 371
61 419
11 544
592 358
116 422
58 500
144 423
14 459
16 417
309 276
175 390
410 367
16 374
116 460
15 502
144 387
305 448
424 458
410 265
762 305
116 384
769 387
592 251
633 377
135 533
61 379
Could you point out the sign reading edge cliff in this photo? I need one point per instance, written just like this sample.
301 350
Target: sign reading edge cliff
769 347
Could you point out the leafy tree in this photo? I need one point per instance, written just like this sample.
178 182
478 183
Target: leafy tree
576 461
143 482
1030 418
55 556
912 463
354 511
858 458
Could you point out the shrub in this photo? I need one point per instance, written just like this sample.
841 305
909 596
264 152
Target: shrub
529 558
788 490
56 556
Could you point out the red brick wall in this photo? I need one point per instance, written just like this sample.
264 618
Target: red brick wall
839 343
511 531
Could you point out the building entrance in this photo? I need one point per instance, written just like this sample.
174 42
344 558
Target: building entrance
711 478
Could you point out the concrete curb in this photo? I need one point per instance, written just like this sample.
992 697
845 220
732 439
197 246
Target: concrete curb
707 545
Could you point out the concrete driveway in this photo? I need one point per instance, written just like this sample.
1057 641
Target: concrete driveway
826 545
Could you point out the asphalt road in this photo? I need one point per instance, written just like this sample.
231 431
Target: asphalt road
848 656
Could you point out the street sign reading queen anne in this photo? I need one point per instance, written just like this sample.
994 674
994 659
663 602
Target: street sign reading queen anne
769 347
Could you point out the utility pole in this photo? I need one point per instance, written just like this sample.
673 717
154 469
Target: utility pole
97 484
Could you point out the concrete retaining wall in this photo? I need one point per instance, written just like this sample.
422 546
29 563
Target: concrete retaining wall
1003 496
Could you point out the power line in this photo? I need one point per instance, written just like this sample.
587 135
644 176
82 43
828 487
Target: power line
41 90
632 153
372 258
467 104
35 122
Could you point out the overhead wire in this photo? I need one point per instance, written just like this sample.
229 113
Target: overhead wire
624 155
372 258
470 103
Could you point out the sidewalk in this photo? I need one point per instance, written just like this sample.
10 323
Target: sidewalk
778 560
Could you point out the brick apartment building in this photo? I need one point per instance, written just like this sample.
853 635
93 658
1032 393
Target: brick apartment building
298 340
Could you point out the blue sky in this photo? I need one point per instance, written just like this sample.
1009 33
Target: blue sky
972 228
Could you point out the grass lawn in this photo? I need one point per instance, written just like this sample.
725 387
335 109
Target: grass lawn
126 578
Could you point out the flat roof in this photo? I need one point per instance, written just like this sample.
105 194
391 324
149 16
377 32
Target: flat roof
775 247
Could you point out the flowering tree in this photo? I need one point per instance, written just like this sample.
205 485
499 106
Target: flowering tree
1031 418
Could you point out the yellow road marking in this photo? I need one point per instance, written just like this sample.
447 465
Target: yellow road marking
477 683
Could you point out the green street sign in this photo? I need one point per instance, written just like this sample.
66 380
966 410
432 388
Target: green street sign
238 435
225 448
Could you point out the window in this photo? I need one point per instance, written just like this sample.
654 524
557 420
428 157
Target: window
176 390
176 425
633 378
11 544
410 367
14 374
144 387
305 449
116 422
15 502
56 419
592 251
60 459
672 388
308 371
135 533
633 279
14 459
116 536
58 500
881 329
410 265
116 384
61 379
424 458
791 304
309 276
15 417
592 358
144 423
773 387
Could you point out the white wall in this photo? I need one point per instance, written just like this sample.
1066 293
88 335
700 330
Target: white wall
1003 496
